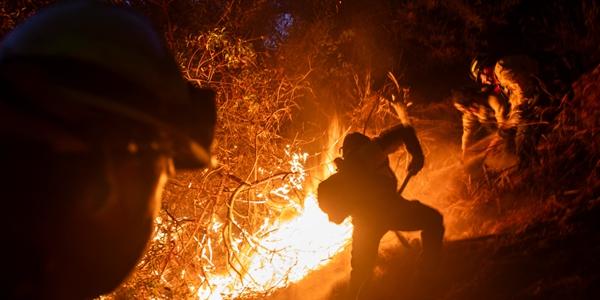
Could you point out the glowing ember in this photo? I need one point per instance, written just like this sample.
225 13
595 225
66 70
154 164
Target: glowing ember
290 248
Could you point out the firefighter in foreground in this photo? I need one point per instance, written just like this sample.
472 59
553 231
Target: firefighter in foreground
94 114
504 106
365 187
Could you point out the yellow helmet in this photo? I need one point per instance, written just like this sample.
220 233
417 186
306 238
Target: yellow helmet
478 64
475 69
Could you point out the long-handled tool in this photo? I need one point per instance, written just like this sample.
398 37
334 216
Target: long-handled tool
399 235
405 182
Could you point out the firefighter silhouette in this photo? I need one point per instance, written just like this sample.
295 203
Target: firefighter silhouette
94 114
365 187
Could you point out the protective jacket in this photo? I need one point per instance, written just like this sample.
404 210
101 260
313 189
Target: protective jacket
365 184
515 75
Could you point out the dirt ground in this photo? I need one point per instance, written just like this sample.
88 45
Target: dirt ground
542 262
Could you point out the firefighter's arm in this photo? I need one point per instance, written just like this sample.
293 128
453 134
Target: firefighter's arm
469 122
514 74
391 139
499 105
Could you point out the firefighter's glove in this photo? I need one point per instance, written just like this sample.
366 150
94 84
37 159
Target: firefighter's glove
416 164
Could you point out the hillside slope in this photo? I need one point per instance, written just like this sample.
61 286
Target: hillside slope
544 243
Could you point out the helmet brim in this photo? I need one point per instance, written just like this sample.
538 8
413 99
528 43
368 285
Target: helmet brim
197 122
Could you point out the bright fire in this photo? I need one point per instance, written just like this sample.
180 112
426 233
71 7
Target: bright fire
292 247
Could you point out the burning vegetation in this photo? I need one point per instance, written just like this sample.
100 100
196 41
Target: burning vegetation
225 233
292 81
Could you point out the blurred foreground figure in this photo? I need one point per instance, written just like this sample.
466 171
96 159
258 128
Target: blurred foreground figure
93 113
503 106
365 187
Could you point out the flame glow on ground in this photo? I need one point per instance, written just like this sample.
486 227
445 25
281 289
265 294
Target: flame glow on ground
292 248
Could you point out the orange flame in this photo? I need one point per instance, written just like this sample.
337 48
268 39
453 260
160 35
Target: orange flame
293 247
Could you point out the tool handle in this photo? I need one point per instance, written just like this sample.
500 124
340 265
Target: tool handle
405 183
